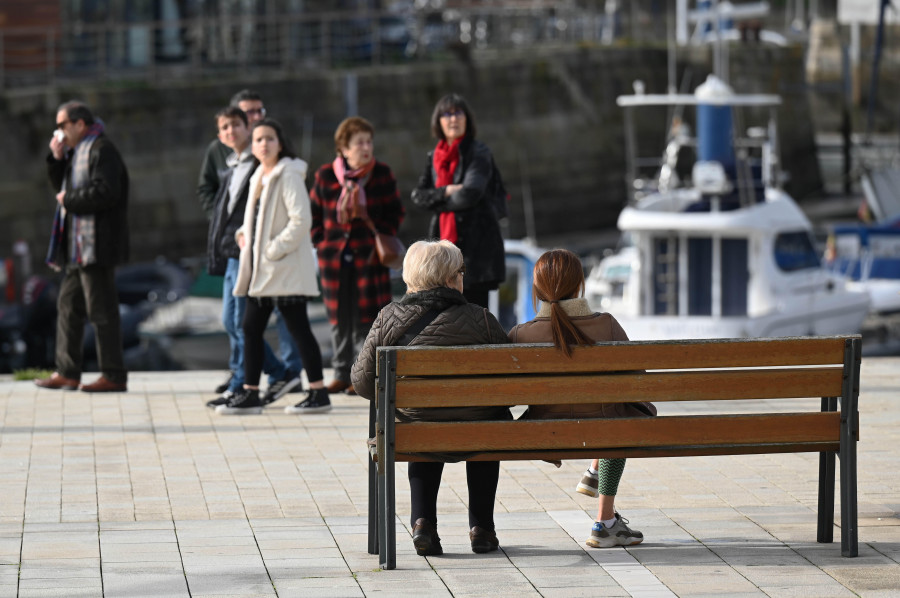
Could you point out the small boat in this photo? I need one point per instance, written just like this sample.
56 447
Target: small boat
869 255
716 249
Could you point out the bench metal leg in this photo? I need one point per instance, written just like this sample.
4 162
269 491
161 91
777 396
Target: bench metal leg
373 489
825 528
849 437
387 524
849 538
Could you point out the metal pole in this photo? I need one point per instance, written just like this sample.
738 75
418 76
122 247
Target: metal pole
873 88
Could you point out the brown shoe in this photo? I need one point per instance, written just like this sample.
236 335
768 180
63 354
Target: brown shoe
57 382
104 384
483 540
339 386
425 538
350 391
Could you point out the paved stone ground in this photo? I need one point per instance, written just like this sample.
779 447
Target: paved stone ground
149 493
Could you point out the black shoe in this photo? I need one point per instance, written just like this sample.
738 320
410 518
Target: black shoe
225 385
244 401
483 540
426 539
279 388
221 400
316 402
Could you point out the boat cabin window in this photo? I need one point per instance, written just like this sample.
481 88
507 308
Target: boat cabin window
795 251
709 278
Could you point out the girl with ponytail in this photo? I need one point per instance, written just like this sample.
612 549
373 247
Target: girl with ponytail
565 319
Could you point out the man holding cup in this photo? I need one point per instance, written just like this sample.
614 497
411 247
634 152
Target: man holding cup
89 237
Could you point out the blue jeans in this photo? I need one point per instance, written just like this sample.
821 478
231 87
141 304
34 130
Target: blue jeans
233 309
287 348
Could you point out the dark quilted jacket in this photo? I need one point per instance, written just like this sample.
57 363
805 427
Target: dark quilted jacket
460 323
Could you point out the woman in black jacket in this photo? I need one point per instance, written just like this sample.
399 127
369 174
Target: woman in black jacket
456 185
433 273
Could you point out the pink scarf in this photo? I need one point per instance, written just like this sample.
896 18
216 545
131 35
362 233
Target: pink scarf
352 202
445 160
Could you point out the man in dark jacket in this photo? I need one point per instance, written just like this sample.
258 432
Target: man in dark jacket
89 237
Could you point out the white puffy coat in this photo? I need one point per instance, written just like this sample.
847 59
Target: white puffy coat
283 259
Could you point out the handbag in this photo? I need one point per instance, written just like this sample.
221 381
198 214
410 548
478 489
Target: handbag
388 249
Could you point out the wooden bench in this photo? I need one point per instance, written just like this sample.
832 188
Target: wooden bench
689 370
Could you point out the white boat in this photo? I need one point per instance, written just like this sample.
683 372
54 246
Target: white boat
725 252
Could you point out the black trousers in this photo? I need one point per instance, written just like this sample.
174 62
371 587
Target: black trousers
256 318
349 334
88 293
481 477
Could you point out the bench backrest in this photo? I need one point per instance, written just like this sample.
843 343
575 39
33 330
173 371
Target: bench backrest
616 372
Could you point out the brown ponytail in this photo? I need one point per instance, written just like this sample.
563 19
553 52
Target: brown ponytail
558 275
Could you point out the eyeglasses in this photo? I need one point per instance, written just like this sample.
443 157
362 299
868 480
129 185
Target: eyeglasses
452 113
462 271
259 111
62 125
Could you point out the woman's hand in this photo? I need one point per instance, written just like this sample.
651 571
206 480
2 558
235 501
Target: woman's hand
241 240
451 189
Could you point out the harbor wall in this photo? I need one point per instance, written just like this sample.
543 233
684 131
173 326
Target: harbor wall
550 118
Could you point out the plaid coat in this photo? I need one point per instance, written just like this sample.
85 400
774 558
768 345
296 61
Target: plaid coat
330 238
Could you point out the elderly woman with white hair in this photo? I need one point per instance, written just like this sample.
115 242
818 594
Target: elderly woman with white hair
434 312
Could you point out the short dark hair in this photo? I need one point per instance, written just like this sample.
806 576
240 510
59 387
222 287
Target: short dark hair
350 127
287 148
245 95
77 110
231 112
452 101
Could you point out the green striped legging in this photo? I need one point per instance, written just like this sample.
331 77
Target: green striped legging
610 473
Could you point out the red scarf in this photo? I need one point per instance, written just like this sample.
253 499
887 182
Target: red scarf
445 161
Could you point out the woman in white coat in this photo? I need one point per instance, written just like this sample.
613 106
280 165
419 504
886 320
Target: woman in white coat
277 267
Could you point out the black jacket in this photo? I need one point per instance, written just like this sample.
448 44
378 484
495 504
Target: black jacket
220 244
479 232
105 195
211 173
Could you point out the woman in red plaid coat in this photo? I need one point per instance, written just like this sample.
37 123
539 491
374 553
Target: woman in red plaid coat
349 196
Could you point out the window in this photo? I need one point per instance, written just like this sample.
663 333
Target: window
795 251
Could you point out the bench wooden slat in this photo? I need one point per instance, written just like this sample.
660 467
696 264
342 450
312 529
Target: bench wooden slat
717 353
642 452
701 430
618 388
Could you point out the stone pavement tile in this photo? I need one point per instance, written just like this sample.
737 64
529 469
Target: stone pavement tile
136 553
137 536
868 578
324 588
59 545
702 579
802 591
144 585
94 583
117 526
10 548
489 588
766 556
570 556
309 567
62 592
9 590
59 572
228 584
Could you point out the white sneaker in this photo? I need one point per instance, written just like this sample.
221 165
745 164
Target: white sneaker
589 484
617 535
